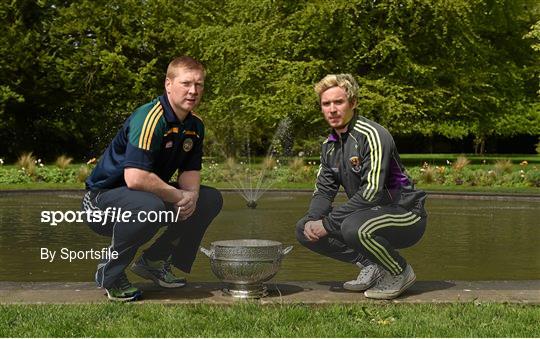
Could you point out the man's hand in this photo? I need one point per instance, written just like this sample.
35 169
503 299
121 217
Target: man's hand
314 230
187 204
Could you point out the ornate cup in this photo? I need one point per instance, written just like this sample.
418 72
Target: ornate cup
245 264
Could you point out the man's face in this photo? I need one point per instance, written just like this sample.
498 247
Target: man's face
337 109
185 90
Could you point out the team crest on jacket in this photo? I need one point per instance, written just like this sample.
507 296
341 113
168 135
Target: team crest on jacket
187 145
355 164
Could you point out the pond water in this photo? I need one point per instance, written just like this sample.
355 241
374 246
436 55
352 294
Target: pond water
480 239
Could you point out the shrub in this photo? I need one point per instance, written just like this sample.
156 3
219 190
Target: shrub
469 177
83 173
296 164
486 178
14 176
63 161
55 175
414 173
440 174
212 172
503 166
460 163
428 174
230 164
269 163
533 178
514 179
299 172
27 162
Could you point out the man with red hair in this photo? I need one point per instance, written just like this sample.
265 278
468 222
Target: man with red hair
160 138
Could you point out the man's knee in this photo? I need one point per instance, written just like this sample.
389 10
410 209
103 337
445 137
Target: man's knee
210 200
351 232
149 202
130 200
146 208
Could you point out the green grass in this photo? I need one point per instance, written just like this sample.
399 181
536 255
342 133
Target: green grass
253 320
487 159
417 159
309 186
297 186
516 158
42 186
434 188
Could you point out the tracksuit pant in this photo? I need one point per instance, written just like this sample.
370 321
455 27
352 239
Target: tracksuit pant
370 236
180 240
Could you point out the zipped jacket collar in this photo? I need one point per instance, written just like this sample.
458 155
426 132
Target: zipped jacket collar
334 137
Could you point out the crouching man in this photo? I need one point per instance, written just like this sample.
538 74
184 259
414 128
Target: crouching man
383 213
133 175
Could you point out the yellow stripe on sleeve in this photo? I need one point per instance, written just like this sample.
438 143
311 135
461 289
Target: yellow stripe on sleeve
146 123
150 131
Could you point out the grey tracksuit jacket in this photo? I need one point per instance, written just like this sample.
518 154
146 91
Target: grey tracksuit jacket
365 161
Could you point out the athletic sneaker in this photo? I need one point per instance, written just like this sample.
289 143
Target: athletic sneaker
122 290
158 271
391 286
368 277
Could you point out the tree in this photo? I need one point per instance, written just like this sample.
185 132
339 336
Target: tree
73 71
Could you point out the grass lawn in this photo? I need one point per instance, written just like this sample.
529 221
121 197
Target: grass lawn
417 159
253 320
434 188
42 186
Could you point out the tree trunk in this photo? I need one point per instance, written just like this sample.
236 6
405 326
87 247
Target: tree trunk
479 145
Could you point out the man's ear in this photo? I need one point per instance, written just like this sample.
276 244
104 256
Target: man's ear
354 103
168 83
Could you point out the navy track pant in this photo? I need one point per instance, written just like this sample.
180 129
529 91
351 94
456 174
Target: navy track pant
180 240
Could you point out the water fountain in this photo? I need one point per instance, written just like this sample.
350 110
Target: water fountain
252 182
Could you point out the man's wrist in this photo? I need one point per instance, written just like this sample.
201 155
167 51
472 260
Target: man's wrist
326 224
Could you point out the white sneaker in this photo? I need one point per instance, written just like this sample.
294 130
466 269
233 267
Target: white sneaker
367 277
391 286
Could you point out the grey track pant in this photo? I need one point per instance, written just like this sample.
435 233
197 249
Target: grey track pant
370 235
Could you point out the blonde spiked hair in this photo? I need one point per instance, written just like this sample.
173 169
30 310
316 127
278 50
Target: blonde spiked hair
345 81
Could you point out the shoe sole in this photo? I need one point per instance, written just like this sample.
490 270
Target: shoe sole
143 273
386 296
352 288
135 297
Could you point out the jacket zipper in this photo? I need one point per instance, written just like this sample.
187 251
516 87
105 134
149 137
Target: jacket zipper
345 175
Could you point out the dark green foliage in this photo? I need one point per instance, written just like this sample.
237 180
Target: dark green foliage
72 71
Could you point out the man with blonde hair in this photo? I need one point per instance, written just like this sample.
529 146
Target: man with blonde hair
158 139
384 211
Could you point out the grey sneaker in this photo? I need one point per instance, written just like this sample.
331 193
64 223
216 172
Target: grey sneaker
391 286
158 271
367 277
